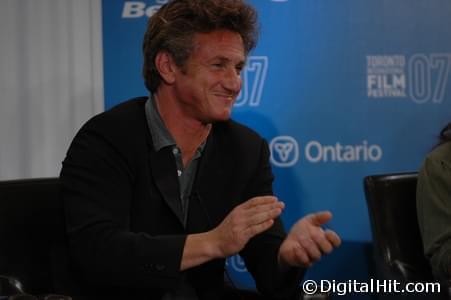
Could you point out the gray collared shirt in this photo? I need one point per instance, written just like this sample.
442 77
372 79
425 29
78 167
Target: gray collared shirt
162 138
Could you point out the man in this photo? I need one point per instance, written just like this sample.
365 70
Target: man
159 191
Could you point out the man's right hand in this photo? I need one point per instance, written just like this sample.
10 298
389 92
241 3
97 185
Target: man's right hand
228 238
244 222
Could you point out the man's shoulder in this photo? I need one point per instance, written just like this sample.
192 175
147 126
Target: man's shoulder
127 111
124 116
124 124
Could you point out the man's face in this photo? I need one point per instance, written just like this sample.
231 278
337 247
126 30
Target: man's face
207 86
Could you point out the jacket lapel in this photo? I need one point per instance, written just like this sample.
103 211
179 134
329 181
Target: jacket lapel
212 176
164 173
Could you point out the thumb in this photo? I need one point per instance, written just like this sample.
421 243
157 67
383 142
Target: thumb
320 218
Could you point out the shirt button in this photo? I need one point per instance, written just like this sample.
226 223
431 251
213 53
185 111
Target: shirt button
175 150
179 173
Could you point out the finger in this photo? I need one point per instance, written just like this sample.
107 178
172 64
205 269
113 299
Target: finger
311 248
244 218
333 237
264 216
249 211
263 213
322 242
263 208
252 231
320 218
259 201
301 258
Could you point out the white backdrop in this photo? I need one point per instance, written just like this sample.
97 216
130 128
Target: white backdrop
51 81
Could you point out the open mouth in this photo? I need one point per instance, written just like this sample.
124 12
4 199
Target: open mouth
226 97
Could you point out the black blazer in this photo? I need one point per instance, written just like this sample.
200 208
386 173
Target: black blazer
123 213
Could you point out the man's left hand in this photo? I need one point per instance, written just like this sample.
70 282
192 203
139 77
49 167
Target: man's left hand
307 241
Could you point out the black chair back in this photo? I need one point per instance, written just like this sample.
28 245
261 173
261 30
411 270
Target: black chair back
32 234
392 210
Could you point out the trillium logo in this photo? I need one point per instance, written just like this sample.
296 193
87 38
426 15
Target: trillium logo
284 151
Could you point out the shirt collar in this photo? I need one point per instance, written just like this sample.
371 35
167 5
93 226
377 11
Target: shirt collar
161 136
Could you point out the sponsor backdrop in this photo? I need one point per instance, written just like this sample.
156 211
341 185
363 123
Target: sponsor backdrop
340 89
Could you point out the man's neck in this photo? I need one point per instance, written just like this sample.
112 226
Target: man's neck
188 132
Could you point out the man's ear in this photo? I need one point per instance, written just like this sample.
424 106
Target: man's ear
166 66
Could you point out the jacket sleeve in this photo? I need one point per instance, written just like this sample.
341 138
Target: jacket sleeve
97 189
434 213
260 254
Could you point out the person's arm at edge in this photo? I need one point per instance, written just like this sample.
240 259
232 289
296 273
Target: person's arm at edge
434 213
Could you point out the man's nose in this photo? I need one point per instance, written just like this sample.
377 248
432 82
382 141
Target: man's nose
232 80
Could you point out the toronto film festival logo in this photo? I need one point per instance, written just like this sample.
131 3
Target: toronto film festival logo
421 77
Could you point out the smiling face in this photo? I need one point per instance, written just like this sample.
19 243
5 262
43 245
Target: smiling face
207 85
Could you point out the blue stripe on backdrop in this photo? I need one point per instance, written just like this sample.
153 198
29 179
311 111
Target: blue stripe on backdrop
340 89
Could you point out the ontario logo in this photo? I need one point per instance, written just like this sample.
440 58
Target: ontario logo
420 77
285 152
